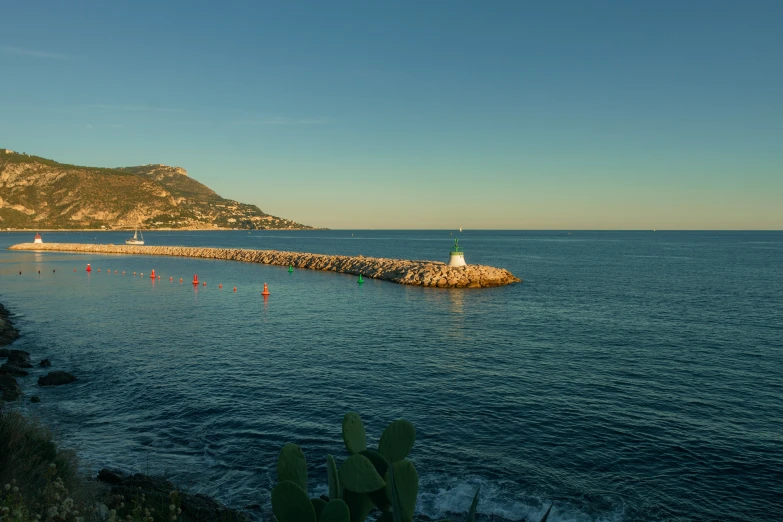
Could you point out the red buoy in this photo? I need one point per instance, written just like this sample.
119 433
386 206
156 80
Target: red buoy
152 274
171 279
180 279
204 283
266 290
220 285
88 267
195 279
235 289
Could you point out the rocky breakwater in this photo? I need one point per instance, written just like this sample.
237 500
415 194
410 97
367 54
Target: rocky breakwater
416 273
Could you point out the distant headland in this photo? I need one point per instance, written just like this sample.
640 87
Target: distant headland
41 194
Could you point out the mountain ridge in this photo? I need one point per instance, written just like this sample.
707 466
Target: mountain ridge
39 193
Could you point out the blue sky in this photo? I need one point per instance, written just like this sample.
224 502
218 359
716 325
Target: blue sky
521 115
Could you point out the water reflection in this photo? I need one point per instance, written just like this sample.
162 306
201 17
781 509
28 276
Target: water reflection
456 299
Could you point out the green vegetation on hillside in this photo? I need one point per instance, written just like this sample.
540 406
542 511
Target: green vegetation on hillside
39 193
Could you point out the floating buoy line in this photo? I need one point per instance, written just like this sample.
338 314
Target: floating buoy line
153 276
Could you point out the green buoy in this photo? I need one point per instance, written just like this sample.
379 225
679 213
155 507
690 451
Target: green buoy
360 281
290 269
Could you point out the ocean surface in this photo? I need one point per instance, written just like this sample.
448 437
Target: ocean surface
631 376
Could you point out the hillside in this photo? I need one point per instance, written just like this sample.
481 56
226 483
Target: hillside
44 194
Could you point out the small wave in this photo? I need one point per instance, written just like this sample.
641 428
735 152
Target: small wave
442 496
685 258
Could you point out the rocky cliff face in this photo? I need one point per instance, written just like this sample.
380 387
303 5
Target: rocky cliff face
40 193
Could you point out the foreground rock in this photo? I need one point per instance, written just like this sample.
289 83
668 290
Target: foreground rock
55 378
195 508
9 388
417 273
18 358
8 333
10 369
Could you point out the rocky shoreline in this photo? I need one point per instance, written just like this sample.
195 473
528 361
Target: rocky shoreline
432 274
195 507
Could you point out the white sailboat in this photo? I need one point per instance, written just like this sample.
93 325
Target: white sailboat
135 239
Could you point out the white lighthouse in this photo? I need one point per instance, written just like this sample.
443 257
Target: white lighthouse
457 255
38 238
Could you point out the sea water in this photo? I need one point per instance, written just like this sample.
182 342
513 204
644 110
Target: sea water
631 376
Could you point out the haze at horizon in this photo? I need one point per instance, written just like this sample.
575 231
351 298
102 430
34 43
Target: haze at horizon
437 115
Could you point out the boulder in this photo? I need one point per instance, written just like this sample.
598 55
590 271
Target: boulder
19 358
45 363
195 508
9 388
35 398
56 378
8 333
10 369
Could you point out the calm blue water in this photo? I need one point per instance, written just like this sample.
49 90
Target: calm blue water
632 376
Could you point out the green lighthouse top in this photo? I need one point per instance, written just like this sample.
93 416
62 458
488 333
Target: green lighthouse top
456 249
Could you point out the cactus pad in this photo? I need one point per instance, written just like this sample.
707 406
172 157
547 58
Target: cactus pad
291 465
402 486
335 511
397 440
333 478
358 475
353 433
290 503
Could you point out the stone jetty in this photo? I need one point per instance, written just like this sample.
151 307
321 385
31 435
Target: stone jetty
417 273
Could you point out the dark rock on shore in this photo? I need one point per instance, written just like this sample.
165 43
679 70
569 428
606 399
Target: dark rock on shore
9 388
56 378
8 333
195 508
45 363
10 369
19 358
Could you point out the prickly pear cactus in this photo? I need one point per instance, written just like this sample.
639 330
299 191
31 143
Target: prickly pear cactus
291 465
359 504
379 497
473 505
381 464
318 506
335 511
397 440
358 475
402 486
335 490
353 433
290 503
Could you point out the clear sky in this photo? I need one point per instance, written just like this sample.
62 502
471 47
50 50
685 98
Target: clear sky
424 114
